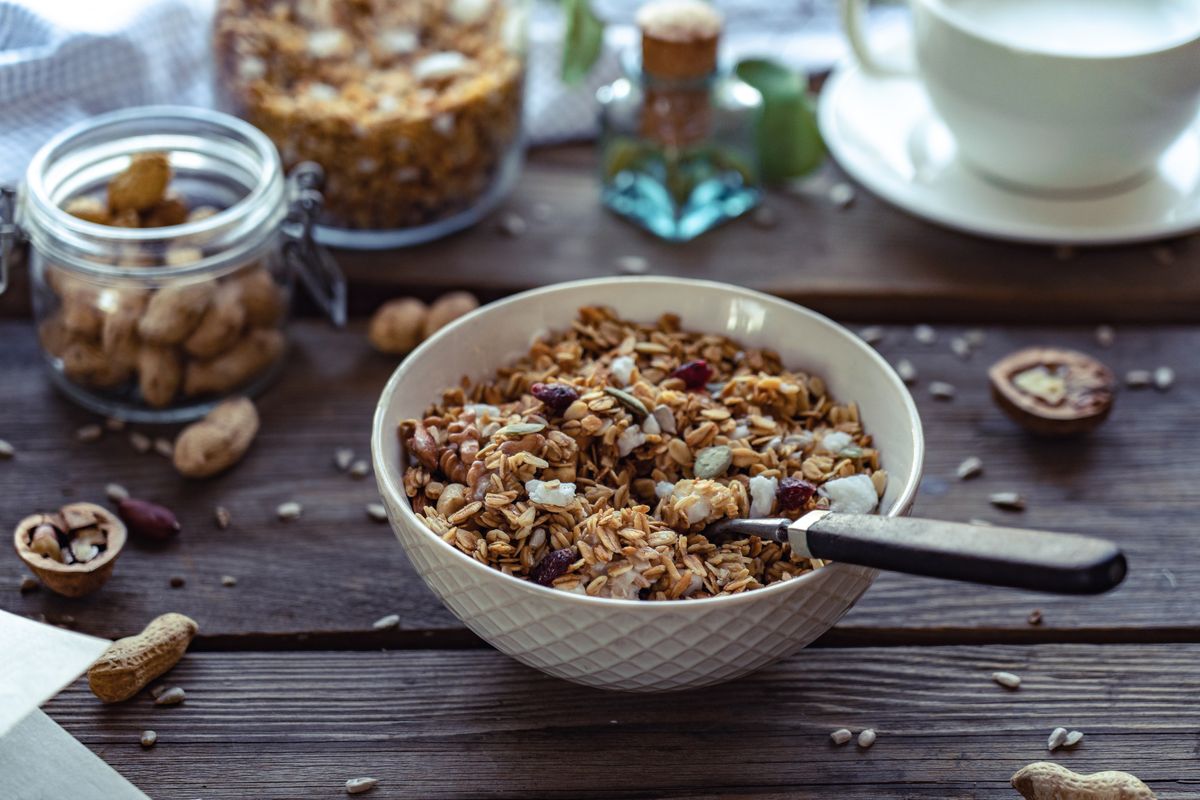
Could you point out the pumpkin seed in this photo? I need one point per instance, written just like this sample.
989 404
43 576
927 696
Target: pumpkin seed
628 400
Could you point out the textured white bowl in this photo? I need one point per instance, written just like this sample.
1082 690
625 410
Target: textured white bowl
633 645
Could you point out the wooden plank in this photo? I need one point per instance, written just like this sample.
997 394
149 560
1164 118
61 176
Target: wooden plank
444 724
870 261
323 579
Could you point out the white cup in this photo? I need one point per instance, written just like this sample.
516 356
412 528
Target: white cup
1054 95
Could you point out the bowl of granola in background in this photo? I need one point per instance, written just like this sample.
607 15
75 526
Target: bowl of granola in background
413 109
640 644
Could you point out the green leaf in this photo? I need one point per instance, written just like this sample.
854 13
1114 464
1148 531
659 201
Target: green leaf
583 41
789 141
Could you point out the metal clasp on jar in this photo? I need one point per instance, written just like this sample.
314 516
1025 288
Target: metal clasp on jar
9 232
317 270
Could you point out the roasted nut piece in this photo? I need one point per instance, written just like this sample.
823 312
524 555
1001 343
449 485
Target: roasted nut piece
88 208
160 374
250 356
396 327
446 309
218 441
118 337
141 185
1053 392
84 362
174 312
50 543
131 663
171 210
221 325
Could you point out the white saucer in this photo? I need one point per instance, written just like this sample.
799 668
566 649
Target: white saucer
884 133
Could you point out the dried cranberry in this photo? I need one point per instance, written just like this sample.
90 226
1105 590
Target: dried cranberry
694 374
793 493
552 565
556 396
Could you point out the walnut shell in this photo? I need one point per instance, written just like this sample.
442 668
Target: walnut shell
1053 392
72 580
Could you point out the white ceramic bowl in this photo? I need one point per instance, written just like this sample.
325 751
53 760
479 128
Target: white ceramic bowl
635 645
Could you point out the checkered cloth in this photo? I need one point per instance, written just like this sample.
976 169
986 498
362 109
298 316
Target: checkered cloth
64 60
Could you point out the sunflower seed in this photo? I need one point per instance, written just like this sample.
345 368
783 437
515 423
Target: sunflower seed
359 469
171 697
177 582
941 390
541 212
164 447
1057 737
1035 617
114 424
377 512
89 433
29 584
1007 679
906 371
116 492
1105 335
383 623
969 468
140 442
7 451
157 690
841 736
222 516
632 265
960 347
841 195
866 738
1163 378
228 580
149 738
765 217
925 334
872 335
289 510
1138 378
512 225
975 337
360 785
343 457
1010 500
1073 738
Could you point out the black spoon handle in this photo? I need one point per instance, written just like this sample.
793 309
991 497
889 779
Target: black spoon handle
1024 559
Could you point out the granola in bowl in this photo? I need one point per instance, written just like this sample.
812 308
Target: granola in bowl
591 464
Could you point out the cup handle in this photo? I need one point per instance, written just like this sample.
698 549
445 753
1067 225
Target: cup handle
854 18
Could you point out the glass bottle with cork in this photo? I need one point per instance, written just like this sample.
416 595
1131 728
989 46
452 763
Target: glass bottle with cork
677 143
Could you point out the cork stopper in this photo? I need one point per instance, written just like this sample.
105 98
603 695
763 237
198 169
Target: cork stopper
679 38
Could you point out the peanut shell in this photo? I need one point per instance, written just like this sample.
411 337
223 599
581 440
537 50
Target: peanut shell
217 442
251 355
396 328
141 184
130 663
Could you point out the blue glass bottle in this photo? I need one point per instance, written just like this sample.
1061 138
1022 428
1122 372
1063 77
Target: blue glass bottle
677 139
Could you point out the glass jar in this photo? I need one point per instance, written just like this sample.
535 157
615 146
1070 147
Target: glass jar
412 109
158 324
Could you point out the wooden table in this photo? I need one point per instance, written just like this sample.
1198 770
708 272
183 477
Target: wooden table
291 691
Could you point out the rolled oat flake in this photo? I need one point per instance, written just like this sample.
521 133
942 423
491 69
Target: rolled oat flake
711 462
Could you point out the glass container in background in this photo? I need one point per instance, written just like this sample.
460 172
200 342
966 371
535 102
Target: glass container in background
678 135
413 109
155 313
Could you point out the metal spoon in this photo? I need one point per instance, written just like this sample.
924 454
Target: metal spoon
1062 563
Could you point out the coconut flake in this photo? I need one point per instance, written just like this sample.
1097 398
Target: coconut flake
665 418
650 426
762 495
741 431
835 442
323 92
664 489
468 12
482 411
550 493
398 41
322 44
439 65
853 495
622 369
251 68
629 440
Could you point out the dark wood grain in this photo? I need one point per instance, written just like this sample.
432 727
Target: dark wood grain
870 261
321 580
440 724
